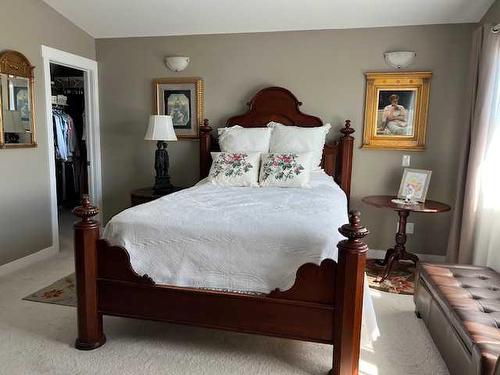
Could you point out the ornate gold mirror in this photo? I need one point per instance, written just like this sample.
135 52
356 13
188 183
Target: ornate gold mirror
17 120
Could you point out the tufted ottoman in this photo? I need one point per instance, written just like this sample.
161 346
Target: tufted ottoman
460 306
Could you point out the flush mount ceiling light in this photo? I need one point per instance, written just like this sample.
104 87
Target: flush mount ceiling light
399 59
177 63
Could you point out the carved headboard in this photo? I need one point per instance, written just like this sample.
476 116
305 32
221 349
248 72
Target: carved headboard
280 105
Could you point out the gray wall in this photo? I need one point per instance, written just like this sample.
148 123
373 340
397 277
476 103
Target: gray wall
493 14
324 69
25 225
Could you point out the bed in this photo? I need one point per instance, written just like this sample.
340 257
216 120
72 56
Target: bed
149 266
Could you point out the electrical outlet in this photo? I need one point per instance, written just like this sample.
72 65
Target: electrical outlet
410 228
406 161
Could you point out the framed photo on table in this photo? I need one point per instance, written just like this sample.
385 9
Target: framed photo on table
396 110
181 98
414 184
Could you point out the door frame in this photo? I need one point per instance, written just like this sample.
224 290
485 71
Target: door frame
93 139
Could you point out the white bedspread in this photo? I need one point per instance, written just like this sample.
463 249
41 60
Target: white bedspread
236 238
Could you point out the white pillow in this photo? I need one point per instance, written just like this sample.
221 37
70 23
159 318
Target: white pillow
285 169
235 169
299 140
239 139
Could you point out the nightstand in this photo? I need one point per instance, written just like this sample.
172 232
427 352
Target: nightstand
145 195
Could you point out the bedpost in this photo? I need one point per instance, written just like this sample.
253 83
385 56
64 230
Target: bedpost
346 149
90 334
205 146
349 297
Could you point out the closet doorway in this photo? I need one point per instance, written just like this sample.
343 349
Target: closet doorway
70 149
73 138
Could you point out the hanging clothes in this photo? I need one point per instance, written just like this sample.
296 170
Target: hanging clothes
67 155
65 140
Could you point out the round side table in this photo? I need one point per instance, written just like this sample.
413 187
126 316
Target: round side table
398 252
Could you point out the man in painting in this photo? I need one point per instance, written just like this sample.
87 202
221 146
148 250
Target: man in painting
395 118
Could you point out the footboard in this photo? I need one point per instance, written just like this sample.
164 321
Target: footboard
324 305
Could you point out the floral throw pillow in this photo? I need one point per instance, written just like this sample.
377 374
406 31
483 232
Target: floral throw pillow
235 168
288 169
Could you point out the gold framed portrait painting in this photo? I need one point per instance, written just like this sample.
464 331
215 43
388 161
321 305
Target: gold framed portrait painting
396 110
181 98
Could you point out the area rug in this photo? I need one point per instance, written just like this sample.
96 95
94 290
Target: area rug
400 281
62 292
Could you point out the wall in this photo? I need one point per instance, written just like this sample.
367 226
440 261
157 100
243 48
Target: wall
324 69
493 14
25 225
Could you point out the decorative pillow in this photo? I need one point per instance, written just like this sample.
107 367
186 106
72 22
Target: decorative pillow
235 169
239 139
285 169
299 140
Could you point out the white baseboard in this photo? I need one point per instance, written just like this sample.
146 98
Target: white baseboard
28 260
379 254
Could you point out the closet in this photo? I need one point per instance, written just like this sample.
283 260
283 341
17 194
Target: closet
69 129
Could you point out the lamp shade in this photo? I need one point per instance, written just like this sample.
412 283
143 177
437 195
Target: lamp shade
160 128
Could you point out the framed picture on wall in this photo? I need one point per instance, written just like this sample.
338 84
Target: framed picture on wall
396 110
18 97
21 100
181 98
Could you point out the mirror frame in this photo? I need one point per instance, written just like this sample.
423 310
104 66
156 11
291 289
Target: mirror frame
16 64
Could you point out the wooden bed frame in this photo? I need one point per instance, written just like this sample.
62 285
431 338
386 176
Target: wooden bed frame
324 305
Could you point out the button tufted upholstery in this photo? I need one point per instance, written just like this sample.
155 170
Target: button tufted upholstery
461 307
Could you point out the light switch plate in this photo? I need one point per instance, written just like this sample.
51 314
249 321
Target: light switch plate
406 161
410 228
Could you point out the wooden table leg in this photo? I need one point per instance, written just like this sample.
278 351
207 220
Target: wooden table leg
387 270
383 262
399 251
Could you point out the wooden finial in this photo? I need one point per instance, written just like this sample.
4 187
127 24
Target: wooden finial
354 231
206 128
347 130
86 211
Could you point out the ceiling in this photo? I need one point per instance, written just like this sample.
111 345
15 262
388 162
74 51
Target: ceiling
130 18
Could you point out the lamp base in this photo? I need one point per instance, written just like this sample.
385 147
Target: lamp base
162 179
163 185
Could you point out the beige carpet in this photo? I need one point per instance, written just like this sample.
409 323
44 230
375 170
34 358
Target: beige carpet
37 338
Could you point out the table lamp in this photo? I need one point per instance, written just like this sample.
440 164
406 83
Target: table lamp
161 129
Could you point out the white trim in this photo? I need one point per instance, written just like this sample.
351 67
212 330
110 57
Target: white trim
380 254
89 67
28 260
